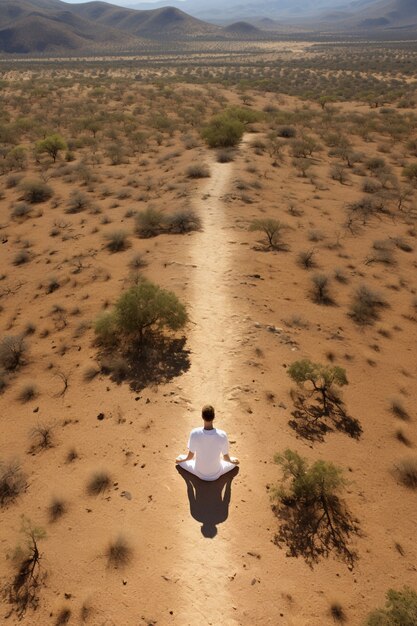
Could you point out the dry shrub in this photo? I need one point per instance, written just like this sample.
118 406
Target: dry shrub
397 409
56 509
365 305
117 241
27 393
12 482
99 482
42 437
119 552
198 170
12 352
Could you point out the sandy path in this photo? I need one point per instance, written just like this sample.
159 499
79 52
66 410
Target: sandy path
213 337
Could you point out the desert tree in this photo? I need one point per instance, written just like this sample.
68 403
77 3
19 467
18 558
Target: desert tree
322 379
316 520
51 145
142 310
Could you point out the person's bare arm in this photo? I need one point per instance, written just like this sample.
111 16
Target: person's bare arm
182 457
231 459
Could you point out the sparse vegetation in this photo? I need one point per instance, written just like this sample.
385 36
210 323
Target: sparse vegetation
400 609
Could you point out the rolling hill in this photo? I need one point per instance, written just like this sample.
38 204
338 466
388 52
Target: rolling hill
166 21
39 26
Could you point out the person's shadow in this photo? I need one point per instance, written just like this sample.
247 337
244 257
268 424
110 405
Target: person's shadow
208 504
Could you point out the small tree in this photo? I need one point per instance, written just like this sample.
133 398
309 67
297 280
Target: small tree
323 378
315 520
142 310
304 483
400 609
272 229
51 145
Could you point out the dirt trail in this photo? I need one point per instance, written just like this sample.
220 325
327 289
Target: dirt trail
213 338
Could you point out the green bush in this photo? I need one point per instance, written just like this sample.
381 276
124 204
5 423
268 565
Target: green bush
223 132
400 609
140 311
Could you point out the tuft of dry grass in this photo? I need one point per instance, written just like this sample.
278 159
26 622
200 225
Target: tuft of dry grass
398 410
56 509
406 470
337 612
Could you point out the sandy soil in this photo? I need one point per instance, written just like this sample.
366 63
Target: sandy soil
198 557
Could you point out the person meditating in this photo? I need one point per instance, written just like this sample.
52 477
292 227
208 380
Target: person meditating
208 450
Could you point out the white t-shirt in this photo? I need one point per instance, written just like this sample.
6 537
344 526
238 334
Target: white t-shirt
208 446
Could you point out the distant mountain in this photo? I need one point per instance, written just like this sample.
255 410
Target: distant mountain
28 26
345 13
375 15
218 10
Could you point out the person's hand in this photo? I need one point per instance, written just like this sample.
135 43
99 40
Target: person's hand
234 460
180 458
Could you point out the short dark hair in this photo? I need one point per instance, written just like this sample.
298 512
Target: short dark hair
207 413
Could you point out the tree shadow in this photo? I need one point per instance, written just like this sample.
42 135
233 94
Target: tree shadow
315 530
209 500
154 361
310 422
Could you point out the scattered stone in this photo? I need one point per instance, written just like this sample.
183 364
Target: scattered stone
100 416
126 494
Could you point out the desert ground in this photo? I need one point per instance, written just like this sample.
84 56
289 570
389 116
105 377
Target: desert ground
338 176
